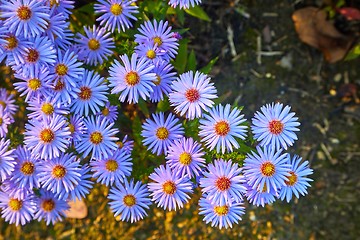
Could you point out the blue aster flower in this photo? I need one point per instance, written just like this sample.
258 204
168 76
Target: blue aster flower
41 53
8 102
186 157
192 93
25 17
48 137
37 84
160 132
5 121
112 169
221 127
91 95
42 108
14 190
7 161
132 79
223 182
130 200
298 181
62 6
14 47
77 127
169 190
275 126
109 112
27 169
164 78
158 34
67 69
184 4
126 144
83 187
95 46
267 169
65 43
152 53
116 14
260 197
16 210
99 139
63 95
56 25
50 208
61 173
220 215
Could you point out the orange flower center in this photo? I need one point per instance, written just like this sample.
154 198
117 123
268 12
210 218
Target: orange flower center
158 80
59 85
94 44
59 171
32 56
27 168
48 205
15 204
292 179
132 78
116 9
96 138
12 42
111 165
221 210
61 69
85 93
1 121
24 13
222 128
46 135
129 200
162 133
169 187
192 95
185 158
71 128
223 183
267 169
276 127
105 111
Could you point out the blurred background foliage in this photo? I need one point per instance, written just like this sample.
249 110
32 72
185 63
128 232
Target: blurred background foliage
254 55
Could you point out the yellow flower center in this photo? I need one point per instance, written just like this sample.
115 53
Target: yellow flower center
129 200
71 128
292 179
34 84
85 93
15 204
61 69
185 158
222 183
24 13
132 78
221 210
105 111
222 128
94 44
96 138
151 54
111 165
169 187
116 9
27 168
162 133
276 127
12 42
58 171
48 205
158 41
267 169
47 108
1 121
54 2
46 135
32 56
158 80
2 103
192 95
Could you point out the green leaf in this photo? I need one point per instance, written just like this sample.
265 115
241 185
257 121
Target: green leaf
198 12
207 68
163 105
143 107
180 15
353 53
181 58
191 64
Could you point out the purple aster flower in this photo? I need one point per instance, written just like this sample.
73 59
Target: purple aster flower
221 126
260 197
99 138
112 169
223 183
275 126
48 137
158 34
14 47
65 43
14 189
184 4
61 173
109 112
192 94
92 94
152 53
67 69
116 13
186 157
77 127
50 208
56 25
8 102
164 77
96 46
268 169
298 181
220 215
161 132
16 210
27 169
41 53
126 145
25 17
42 108
7 161
130 200
132 80
5 121
37 84
168 190
62 6
62 94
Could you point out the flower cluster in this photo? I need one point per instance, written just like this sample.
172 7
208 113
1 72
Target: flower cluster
75 92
